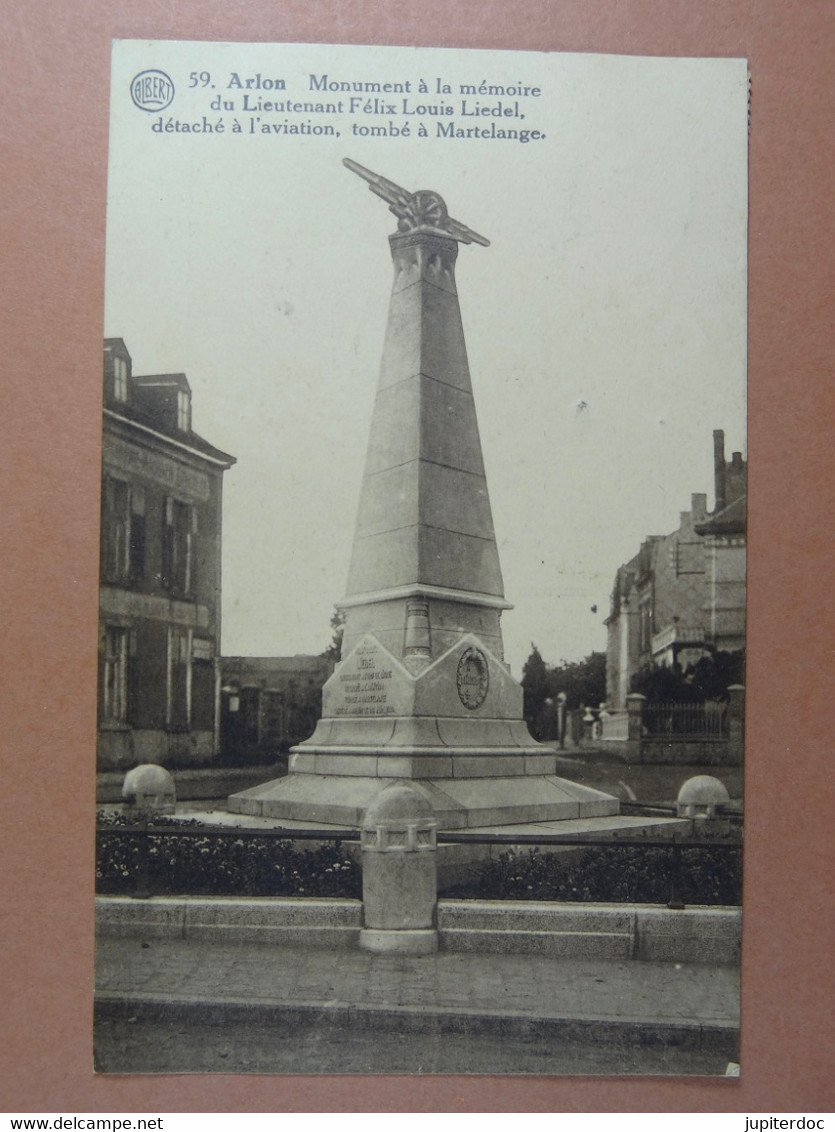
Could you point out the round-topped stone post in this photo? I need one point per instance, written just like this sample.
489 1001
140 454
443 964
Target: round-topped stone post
700 796
399 872
149 789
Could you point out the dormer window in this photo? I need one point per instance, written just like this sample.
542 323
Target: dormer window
183 410
117 372
120 379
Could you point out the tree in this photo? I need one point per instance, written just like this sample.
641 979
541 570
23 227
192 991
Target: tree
583 682
711 676
334 650
534 689
708 679
661 684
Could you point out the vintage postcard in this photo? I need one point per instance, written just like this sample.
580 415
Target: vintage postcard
423 562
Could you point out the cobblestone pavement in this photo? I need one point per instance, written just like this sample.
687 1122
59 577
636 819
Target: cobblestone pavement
178 1046
181 1006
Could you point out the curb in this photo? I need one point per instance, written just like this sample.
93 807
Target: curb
717 1038
637 932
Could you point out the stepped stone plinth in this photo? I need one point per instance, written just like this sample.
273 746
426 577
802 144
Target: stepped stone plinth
423 692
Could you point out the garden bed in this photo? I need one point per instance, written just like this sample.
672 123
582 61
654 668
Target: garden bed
204 863
197 860
640 874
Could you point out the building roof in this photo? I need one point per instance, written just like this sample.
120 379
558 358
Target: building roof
150 401
130 414
731 520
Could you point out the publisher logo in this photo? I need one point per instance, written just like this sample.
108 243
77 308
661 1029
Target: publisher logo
152 91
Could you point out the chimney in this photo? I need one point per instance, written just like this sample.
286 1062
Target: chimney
719 469
735 481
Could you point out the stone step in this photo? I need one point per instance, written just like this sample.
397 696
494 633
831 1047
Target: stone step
307 922
458 803
506 915
558 944
278 910
280 922
328 936
645 932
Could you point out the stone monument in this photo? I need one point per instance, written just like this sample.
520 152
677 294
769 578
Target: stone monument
423 692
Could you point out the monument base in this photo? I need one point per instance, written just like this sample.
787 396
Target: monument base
453 726
458 802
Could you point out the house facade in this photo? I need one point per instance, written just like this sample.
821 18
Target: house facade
683 594
159 604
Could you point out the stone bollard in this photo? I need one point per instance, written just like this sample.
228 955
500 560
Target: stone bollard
399 872
149 789
700 797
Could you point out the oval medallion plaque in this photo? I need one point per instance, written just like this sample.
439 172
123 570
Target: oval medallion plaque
473 678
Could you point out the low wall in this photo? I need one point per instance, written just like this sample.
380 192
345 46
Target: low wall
657 751
687 752
206 782
120 748
643 932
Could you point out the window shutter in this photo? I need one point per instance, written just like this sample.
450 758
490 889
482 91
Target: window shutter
168 543
137 499
131 675
137 533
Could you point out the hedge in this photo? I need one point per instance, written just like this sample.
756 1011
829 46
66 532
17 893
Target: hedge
212 865
206 864
639 875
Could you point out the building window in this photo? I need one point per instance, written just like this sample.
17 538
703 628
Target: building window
136 566
178 547
114 706
120 379
116 530
123 531
183 410
687 557
179 680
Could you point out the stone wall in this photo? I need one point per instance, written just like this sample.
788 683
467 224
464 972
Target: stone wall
688 752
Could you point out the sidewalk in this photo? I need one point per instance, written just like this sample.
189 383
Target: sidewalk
189 1006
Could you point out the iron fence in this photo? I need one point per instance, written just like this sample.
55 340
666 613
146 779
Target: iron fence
686 868
686 721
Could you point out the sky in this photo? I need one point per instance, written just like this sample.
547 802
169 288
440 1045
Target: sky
605 323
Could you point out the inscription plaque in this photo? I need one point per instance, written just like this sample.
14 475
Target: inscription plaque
364 683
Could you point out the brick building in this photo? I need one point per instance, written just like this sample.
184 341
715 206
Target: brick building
268 704
683 594
159 610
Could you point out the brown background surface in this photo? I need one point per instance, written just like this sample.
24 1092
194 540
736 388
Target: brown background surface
55 62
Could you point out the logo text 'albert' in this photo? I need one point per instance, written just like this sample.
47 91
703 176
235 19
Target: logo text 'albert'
152 90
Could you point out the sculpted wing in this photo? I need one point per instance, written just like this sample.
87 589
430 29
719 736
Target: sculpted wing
414 210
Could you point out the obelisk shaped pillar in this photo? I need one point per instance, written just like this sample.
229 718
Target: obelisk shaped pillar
425 567
422 691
